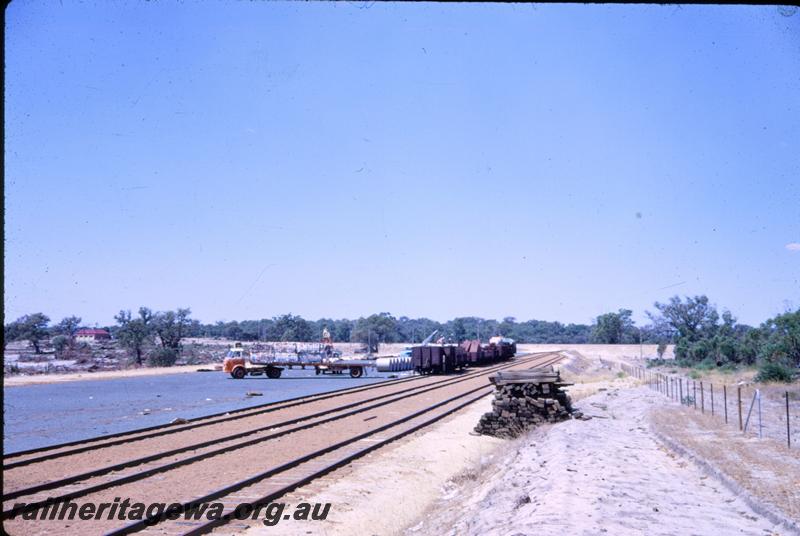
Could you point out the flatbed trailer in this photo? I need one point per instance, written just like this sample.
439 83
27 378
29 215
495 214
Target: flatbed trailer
239 367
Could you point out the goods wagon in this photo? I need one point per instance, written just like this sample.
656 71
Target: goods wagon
447 358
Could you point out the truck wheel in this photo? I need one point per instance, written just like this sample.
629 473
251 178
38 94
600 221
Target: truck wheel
274 373
356 372
238 373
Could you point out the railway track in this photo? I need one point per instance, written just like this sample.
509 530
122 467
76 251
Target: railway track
295 442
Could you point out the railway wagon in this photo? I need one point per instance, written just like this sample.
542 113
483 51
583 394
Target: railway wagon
438 359
498 349
473 352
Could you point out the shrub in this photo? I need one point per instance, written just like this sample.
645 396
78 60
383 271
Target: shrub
162 357
706 364
662 347
60 343
774 372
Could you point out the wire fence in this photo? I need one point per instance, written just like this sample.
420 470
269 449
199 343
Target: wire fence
757 411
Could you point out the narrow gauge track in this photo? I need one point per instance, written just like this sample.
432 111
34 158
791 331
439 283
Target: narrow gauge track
55 472
26 457
324 456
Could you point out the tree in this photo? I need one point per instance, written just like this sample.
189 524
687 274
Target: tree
693 320
614 328
135 333
293 328
171 327
32 328
782 339
68 327
375 329
10 333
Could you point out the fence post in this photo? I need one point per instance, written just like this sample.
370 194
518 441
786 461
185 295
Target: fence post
788 430
760 428
680 388
739 396
750 410
725 401
711 387
702 399
694 388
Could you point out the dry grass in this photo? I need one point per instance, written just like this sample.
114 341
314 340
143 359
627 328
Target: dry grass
765 468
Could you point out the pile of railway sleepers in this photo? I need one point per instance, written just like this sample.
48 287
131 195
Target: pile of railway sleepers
524 399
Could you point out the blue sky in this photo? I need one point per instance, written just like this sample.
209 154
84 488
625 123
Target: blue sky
250 159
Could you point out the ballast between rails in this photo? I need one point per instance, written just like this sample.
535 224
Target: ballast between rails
202 528
393 397
196 422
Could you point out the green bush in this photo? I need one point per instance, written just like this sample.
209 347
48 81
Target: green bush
655 362
706 364
60 343
162 357
774 372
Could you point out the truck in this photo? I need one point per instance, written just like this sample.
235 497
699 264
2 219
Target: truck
240 362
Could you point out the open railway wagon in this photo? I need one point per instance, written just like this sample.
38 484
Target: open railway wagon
447 358
438 358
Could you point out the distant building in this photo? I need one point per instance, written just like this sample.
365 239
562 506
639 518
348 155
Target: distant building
92 335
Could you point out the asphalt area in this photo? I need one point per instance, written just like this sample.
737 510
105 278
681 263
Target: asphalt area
46 414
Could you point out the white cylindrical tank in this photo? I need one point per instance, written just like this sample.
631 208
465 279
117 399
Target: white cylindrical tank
393 364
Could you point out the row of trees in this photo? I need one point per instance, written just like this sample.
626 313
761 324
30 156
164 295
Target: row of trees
158 335
384 327
700 333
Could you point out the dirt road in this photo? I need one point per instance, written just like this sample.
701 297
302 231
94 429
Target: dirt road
609 475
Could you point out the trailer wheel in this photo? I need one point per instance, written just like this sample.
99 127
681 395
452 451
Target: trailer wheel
356 372
273 373
238 373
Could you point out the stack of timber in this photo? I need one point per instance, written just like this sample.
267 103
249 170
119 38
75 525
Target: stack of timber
524 399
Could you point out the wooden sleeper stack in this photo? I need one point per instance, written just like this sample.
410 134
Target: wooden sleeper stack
524 399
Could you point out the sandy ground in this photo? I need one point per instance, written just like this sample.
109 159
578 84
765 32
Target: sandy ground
608 475
394 485
417 469
618 353
613 474
765 469
11 381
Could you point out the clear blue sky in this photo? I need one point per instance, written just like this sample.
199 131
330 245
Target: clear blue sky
249 159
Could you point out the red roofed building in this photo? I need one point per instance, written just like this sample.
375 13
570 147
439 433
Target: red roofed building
92 335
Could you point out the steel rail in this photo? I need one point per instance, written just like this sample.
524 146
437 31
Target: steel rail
153 520
198 422
169 428
393 397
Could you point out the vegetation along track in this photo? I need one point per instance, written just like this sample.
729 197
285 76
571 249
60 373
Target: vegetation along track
297 450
